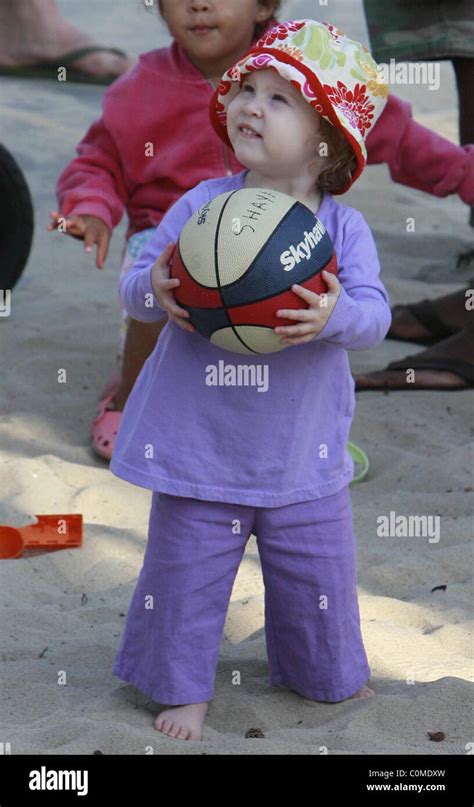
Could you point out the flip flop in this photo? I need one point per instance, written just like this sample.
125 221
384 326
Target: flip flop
463 369
48 69
361 462
425 313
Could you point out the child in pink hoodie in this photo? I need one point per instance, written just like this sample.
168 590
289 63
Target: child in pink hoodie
154 142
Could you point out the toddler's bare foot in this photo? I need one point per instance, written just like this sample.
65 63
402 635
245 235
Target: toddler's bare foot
182 722
363 692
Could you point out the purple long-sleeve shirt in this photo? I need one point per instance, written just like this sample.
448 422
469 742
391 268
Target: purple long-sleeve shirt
281 437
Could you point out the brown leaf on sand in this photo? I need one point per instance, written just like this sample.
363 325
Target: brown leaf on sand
436 736
254 733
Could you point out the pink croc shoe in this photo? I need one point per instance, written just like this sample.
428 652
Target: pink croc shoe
104 427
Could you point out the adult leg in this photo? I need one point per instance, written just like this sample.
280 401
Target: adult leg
312 622
450 309
464 72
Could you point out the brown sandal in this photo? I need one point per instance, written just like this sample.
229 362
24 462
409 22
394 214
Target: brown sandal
49 68
425 313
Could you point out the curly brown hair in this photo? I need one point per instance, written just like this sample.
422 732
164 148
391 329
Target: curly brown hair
341 159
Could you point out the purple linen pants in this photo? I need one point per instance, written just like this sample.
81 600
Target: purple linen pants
170 645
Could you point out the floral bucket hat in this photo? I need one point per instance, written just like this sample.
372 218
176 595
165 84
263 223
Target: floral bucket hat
333 73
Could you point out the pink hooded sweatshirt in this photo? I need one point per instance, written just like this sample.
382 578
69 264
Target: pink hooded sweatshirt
155 141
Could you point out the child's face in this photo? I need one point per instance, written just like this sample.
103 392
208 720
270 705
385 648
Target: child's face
288 126
232 24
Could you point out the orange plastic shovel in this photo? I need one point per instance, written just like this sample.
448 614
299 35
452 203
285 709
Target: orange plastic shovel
50 532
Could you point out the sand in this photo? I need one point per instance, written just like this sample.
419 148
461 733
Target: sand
64 611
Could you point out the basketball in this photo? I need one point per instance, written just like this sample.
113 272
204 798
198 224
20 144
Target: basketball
237 258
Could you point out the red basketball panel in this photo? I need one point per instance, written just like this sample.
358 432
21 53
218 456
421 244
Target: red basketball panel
189 292
263 312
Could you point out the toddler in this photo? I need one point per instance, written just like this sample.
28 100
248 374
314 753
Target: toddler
224 462
154 141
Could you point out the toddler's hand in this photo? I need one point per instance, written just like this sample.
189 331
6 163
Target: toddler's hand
89 229
163 287
312 319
